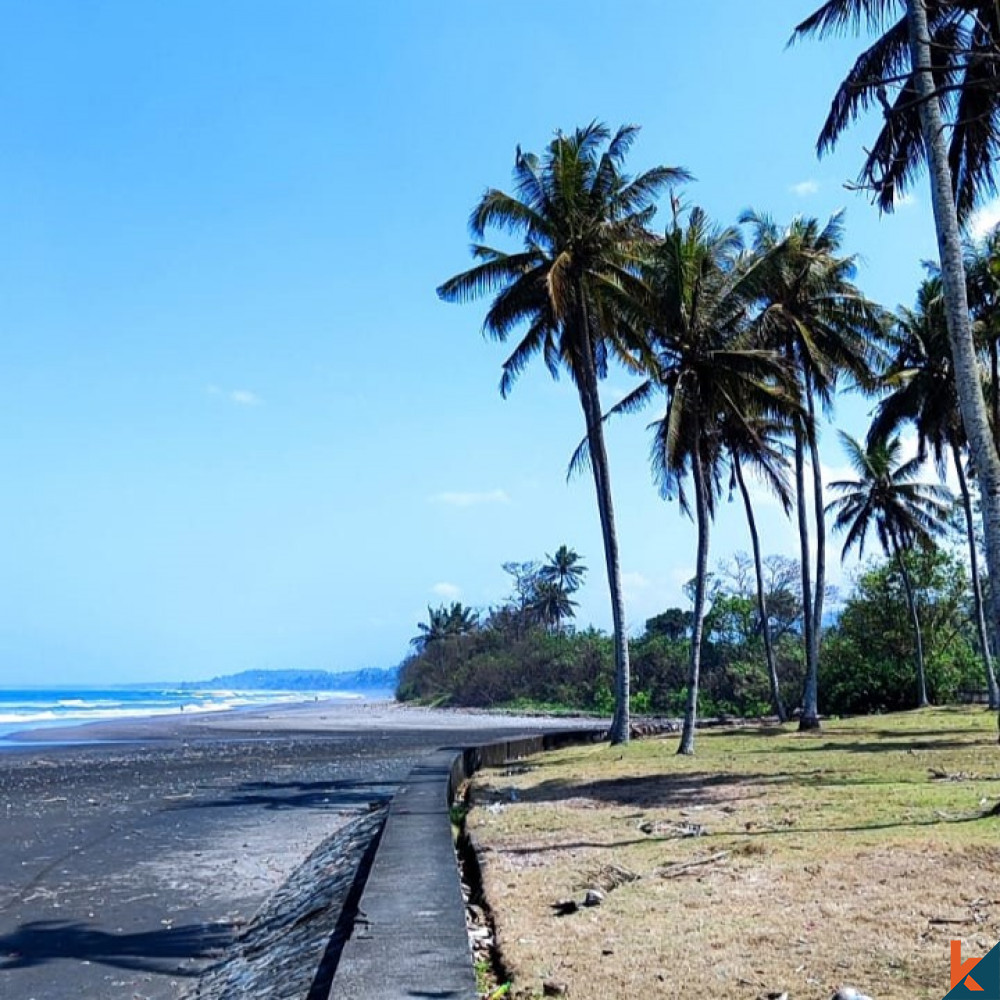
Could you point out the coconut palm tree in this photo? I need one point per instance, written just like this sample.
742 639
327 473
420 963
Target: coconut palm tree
564 568
812 313
551 604
982 270
966 78
757 442
960 157
444 623
699 293
581 218
902 511
921 390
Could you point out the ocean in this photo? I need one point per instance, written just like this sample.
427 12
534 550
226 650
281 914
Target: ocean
44 707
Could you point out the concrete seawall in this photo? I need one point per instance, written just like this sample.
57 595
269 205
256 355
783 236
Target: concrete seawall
409 936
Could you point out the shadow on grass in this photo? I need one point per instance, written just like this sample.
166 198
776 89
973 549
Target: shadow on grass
749 836
885 746
835 738
743 731
43 941
702 788
660 790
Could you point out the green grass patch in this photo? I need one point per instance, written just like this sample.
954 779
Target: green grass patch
848 855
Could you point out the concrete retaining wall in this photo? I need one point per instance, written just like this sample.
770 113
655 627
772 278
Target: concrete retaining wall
409 938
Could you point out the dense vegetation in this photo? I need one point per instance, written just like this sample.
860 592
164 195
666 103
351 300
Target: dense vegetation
513 658
367 679
746 334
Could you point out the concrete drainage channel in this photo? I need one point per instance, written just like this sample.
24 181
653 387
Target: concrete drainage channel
377 911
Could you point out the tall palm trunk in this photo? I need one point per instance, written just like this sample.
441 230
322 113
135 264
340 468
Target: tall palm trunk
765 622
968 382
819 590
701 573
810 695
911 603
977 587
995 384
591 401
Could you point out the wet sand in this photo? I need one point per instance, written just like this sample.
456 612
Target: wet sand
127 867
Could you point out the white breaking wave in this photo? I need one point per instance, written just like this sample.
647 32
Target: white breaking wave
21 710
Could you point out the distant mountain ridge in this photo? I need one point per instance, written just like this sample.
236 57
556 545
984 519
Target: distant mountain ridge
367 679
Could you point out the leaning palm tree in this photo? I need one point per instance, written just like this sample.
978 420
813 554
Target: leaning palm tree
564 568
902 511
920 386
581 218
931 54
699 294
812 313
757 442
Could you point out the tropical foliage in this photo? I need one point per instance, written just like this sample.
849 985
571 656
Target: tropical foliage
580 218
444 623
903 512
746 335
939 60
870 651
725 393
867 663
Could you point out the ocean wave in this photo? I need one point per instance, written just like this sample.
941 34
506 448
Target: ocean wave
71 707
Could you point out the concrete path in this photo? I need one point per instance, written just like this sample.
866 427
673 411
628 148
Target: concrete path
409 937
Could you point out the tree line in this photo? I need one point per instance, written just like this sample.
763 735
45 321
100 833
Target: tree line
512 656
746 333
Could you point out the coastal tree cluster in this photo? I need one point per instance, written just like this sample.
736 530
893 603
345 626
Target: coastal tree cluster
508 657
745 334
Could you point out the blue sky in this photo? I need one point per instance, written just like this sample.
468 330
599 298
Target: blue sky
239 429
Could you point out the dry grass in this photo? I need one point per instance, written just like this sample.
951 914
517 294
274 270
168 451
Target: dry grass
851 856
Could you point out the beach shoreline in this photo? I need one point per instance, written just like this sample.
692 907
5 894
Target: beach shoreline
311 716
136 849
27 710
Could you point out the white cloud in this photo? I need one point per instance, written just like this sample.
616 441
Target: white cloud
805 188
984 219
449 591
761 494
470 499
634 584
242 397
906 201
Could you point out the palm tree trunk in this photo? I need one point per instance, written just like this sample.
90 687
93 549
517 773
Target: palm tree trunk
977 587
819 590
911 603
995 380
591 402
701 574
967 380
810 695
765 623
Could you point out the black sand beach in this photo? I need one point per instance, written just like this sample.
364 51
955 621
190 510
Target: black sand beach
128 867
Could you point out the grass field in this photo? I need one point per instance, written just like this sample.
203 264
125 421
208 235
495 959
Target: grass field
772 861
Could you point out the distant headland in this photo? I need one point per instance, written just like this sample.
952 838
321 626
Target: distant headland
367 679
